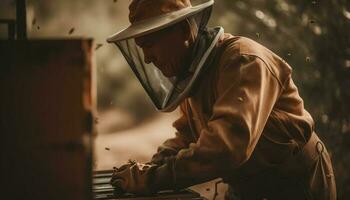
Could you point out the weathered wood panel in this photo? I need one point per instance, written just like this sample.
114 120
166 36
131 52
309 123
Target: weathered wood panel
46 120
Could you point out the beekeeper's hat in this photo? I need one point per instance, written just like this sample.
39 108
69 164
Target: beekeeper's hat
165 13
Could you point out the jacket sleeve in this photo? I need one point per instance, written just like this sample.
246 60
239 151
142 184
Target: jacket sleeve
247 92
172 146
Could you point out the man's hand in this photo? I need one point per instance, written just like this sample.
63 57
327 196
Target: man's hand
134 178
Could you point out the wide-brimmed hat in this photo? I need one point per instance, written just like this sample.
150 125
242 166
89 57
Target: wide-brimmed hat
152 24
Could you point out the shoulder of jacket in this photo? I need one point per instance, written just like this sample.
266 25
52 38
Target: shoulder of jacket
238 47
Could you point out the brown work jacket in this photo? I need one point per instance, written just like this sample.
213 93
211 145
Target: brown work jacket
244 116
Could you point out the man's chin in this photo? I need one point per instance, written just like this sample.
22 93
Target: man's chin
168 74
168 70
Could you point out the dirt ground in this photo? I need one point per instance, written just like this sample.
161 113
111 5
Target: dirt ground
138 143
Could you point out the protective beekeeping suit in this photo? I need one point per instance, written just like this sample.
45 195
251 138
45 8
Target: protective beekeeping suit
242 117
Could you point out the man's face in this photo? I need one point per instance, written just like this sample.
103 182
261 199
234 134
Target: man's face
166 49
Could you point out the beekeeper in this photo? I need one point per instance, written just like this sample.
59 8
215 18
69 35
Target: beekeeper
242 117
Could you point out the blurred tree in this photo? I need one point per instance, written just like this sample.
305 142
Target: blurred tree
314 38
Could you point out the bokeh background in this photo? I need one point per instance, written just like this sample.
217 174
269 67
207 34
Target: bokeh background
313 36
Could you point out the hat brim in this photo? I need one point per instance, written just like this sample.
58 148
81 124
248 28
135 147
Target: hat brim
153 24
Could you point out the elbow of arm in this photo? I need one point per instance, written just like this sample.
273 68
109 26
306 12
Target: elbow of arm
240 148
238 158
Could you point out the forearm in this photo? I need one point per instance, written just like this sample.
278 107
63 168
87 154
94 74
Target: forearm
173 145
179 173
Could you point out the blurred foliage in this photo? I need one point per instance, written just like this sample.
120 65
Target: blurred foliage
314 38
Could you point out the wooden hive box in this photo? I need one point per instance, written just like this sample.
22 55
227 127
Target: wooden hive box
46 125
